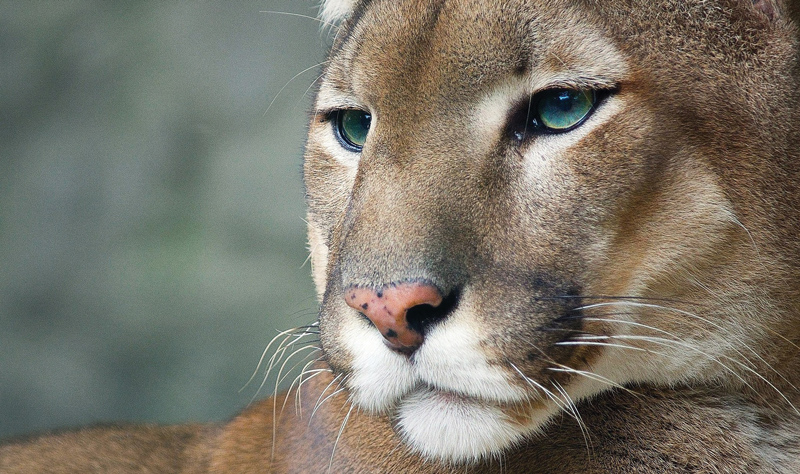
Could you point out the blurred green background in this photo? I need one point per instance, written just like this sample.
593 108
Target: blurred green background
151 206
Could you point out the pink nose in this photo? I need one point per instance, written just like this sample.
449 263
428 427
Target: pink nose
387 309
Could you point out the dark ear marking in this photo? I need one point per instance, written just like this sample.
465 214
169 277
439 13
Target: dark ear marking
768 8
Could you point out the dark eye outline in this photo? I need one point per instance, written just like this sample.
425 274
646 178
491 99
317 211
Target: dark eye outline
525 122
336 117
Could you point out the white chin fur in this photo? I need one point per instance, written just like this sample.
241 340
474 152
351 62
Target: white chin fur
334 11
454 429
447 401
379 376
452 360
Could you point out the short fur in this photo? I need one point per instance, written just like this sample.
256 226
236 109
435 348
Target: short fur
624 297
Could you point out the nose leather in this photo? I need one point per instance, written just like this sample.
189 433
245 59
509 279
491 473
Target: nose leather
387 309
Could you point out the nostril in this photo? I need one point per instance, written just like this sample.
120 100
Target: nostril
422 317
401 311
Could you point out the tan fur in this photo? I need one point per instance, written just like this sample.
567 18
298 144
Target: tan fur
626 293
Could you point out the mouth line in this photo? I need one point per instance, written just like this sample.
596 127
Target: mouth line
454 396
448 403
446 393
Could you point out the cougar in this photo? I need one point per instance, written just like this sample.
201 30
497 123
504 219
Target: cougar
547 236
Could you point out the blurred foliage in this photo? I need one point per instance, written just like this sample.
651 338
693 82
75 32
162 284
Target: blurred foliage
151 205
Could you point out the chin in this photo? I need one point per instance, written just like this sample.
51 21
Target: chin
457 429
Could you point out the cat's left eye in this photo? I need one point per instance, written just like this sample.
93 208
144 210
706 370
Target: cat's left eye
554 111
351 127
559 110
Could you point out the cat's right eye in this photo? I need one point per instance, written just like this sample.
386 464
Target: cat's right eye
351 127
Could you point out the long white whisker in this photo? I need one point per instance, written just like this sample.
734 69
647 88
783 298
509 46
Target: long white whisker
389 455
264 355
684 313
300 15
275 413
548 393
736 361
298 103
289 82
339 390
706 321
574 410
339 435
592 376
304 376
279 379
339 380
313 372
322 394
667 342
289 341
605 344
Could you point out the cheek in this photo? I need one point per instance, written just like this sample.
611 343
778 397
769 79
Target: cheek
328 182
328 171
581 172
319 257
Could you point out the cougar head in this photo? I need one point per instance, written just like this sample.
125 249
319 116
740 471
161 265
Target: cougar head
517 205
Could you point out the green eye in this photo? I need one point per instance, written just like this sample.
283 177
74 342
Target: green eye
351 128
560 110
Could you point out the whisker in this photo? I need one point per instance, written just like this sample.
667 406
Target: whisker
545 391
339 435
593 376
275 397
574 409
606 344
390 455
279 379
266 351
738 339
295 107
613 297
670 342
300 380
338 390
563 330
289 82
320 401
675 340
279 354
724 366
589 337
300 15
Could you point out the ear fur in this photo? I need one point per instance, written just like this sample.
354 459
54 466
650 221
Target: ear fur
334 11
770 8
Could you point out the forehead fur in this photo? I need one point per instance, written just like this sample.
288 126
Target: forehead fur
334 11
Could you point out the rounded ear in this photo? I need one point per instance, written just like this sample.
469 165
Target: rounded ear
770 8
334 11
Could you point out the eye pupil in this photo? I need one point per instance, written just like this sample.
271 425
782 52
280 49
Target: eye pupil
352 127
